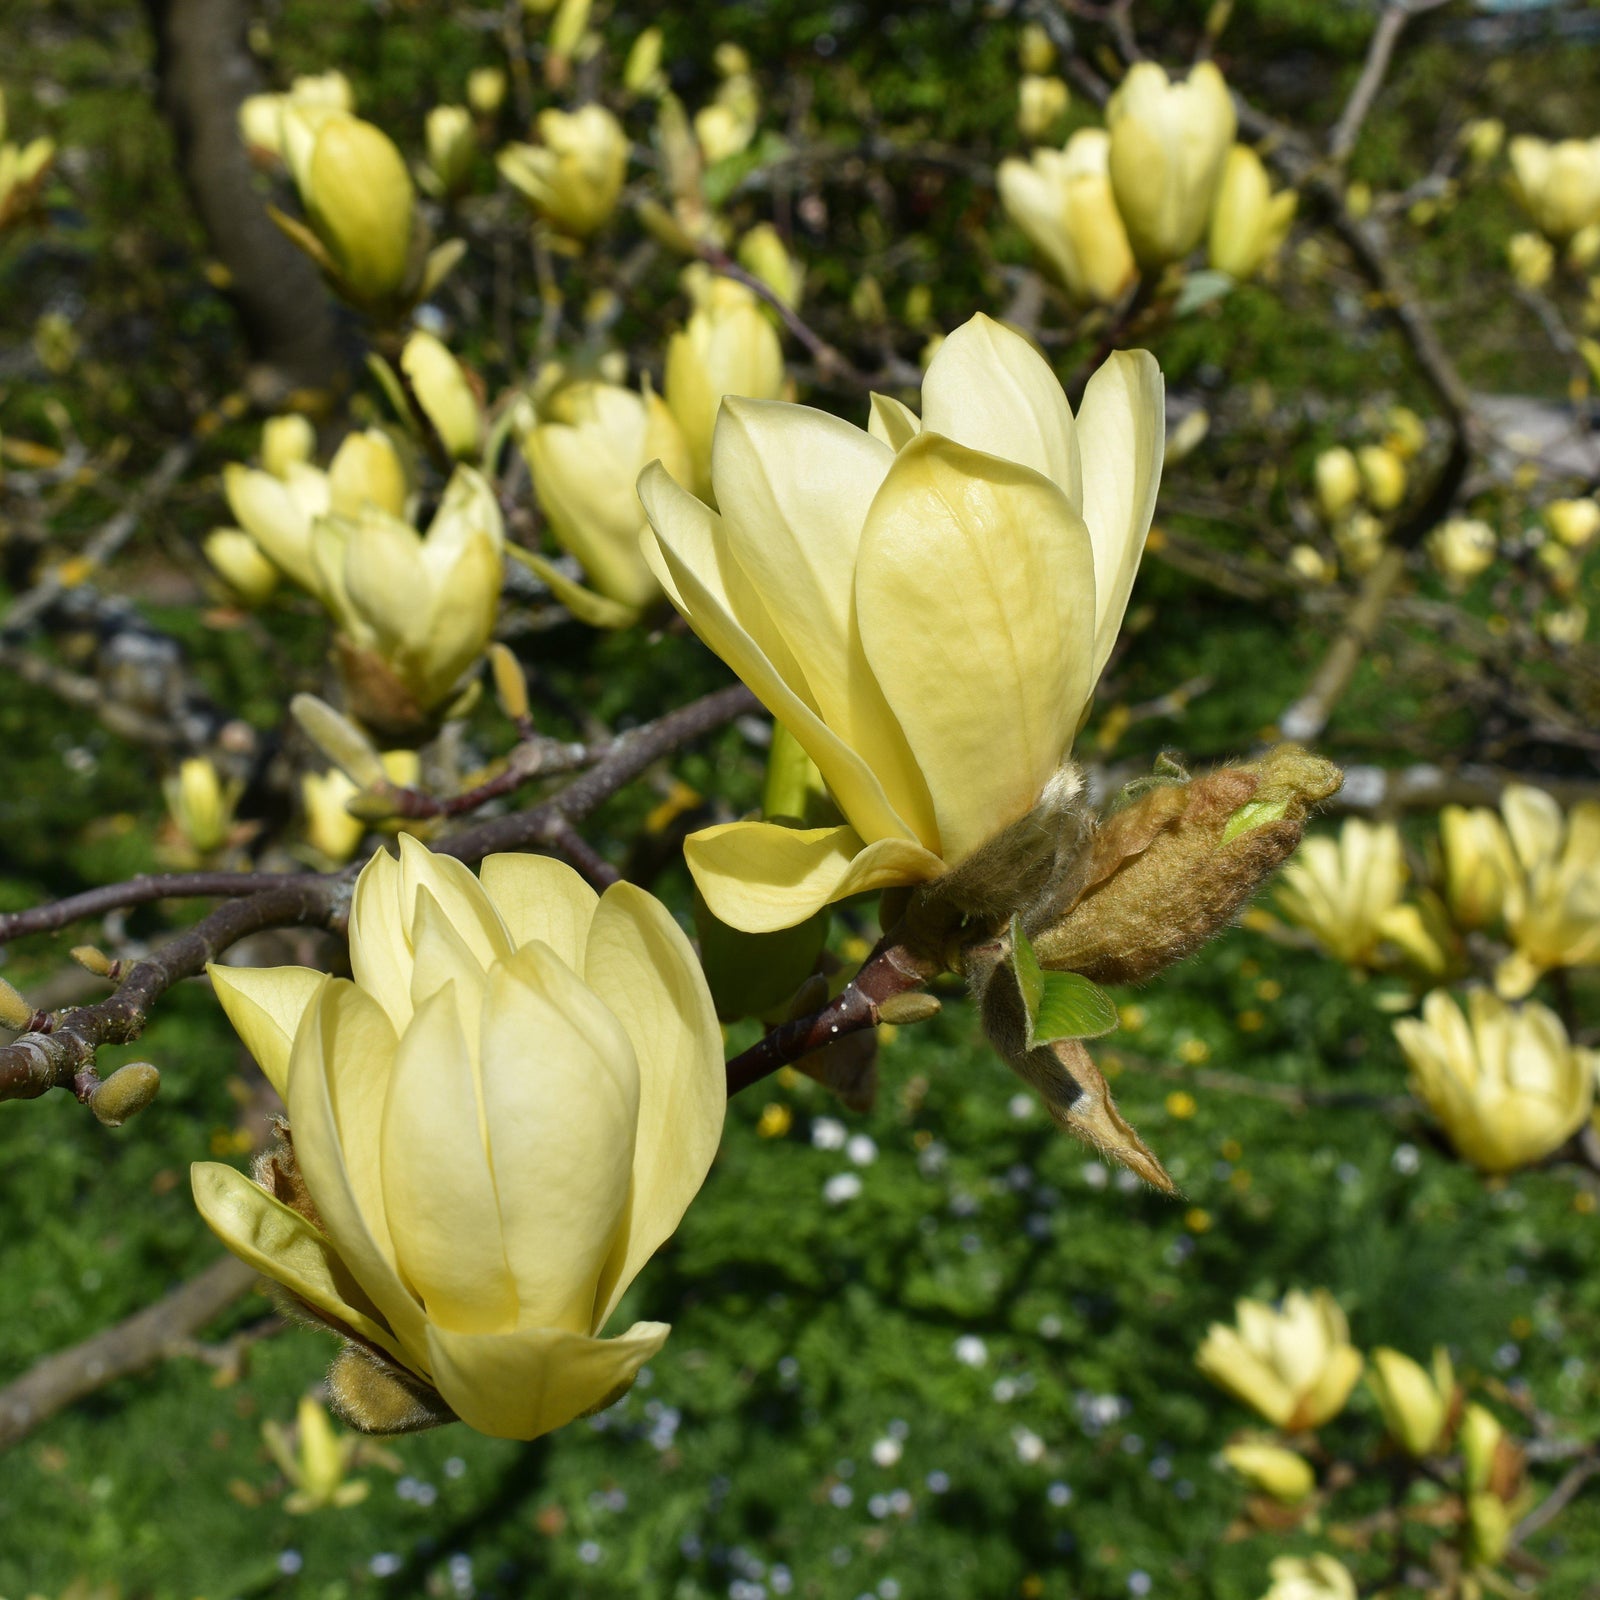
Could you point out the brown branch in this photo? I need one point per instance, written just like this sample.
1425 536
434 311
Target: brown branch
148 1336
1380 51
1557 1500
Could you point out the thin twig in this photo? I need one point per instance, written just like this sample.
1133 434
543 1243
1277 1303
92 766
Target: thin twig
1380 51
1557 1500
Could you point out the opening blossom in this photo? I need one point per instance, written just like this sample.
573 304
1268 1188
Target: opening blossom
926 606
494 1127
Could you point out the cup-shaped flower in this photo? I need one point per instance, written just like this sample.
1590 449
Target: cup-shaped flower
1505 1082
1553 914
1061 199
1318 1577
286 440
200 802
1294 1365
728 347
926 606
1462 547
1480 868
1248 222
496 1124
452 143
422 605
240 564
585 454
444 392
1169 143
1042 101
1558 185
573 177
1415 1402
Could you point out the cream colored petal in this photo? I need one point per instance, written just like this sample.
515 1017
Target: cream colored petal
380 944
1326 1398
1121 437
794 486
893 422
282 1245
460 895
641 964
385 579
459 621
1533 819
561 1102
976 596
266 509
541 898
437 1182
760 877
687 555
444 957
265 1005
989 389
1232 1365
520 1385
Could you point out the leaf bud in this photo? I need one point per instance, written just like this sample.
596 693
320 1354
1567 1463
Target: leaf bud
95 961
510 682
905 1009
125 1093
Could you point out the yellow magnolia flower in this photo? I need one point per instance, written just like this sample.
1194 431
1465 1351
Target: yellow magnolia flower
1318 1577
641 72
1273 1470
1482 138
486 90
316 1461
1248 222
1415 1403
1169 144
762 252
926 606
330 829
1573 522
1061 199
1531 259
1041 103
1383 476
1338 482
585 455
1558 185
22 169
423 606
444 393
284 441
1461 548
1346 891
1553 914
201 803
1482 1443
1505 1082
261 115
726 126
452 142
1295 1366
728 347
495 1126
573 177
1480 868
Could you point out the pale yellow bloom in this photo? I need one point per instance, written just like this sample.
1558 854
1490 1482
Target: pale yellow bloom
762 252
1036 51
1169 143
1531 259
1308 562
1462 547
1408 433
1558 185
498 1122
1273 1470
1041 104
1481 1436
1383 476
1566 627
1505 1082
1481 871
1318 1577
585 454
1573 522
1338 482
1248 222
726 126
316 1463
330 829
240 564
574 176
446 396
423 605
1061 199
1482 138
1360 542
1294 1365
1489 1528
926 605
200 802
261 115
452 142
641 72
728 347
1553 915
1415 1403
486 90
284 441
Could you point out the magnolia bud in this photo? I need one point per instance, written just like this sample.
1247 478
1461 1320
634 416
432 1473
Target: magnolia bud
1383 474
452 143
241 565
904 1010
486 90
1407 434
1415 1404
1282 1474
1481 139
1481 1438
1461 548
125 1093
510 682
1035 51
1338 481
762 253
1248 221
1041 104
1488 1529
1573 522
444 393
367 470
285 441
641 73
340 740
1531 259
15 1012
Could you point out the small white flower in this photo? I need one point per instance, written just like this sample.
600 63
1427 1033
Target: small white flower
840 1187
887 1452
828 1133
1029 1446
861 1149
971 1351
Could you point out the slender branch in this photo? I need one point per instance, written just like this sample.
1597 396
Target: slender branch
1558 1499
565 839
1380 51
143 1339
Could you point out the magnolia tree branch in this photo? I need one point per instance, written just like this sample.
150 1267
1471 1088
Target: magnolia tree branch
1380 52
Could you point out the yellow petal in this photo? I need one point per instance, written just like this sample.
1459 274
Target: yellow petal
459 622
541 898
1533 819
989 389
976 596
893 422
384 578
460 895
276 518
561 1103
443 957
1122 433
521 1385
380 946
282 1245
640 963
760 877
437 1186
265 1005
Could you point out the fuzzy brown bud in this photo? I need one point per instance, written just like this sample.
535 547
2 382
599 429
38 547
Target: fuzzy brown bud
1168 869
375 1396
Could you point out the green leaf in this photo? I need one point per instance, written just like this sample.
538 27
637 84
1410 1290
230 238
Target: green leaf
1030 976
1201 289
1060 1005
1254 814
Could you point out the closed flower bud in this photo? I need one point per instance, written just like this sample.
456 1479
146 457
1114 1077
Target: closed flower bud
1383 475
1553 913
200 802
567 28
486 90
452 143
1360 542
573 177
1505 1082
1308 562
1041 104
1187 437
1481 872
1248 222
726 126
1415 1404
641 73
125 1093
1338 482
1483 1451
1531 259
330 829
762 252
729 347
585 456
1482 138
1318 1577
1489 1526
1558 185
494 1127
1169 143
285 441
367 470
1408 433
1461 548
1583 250
1035 50
240 564
1062 200
916 544
1272 1470
1564 628
1573 522
445 394
1294 1365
